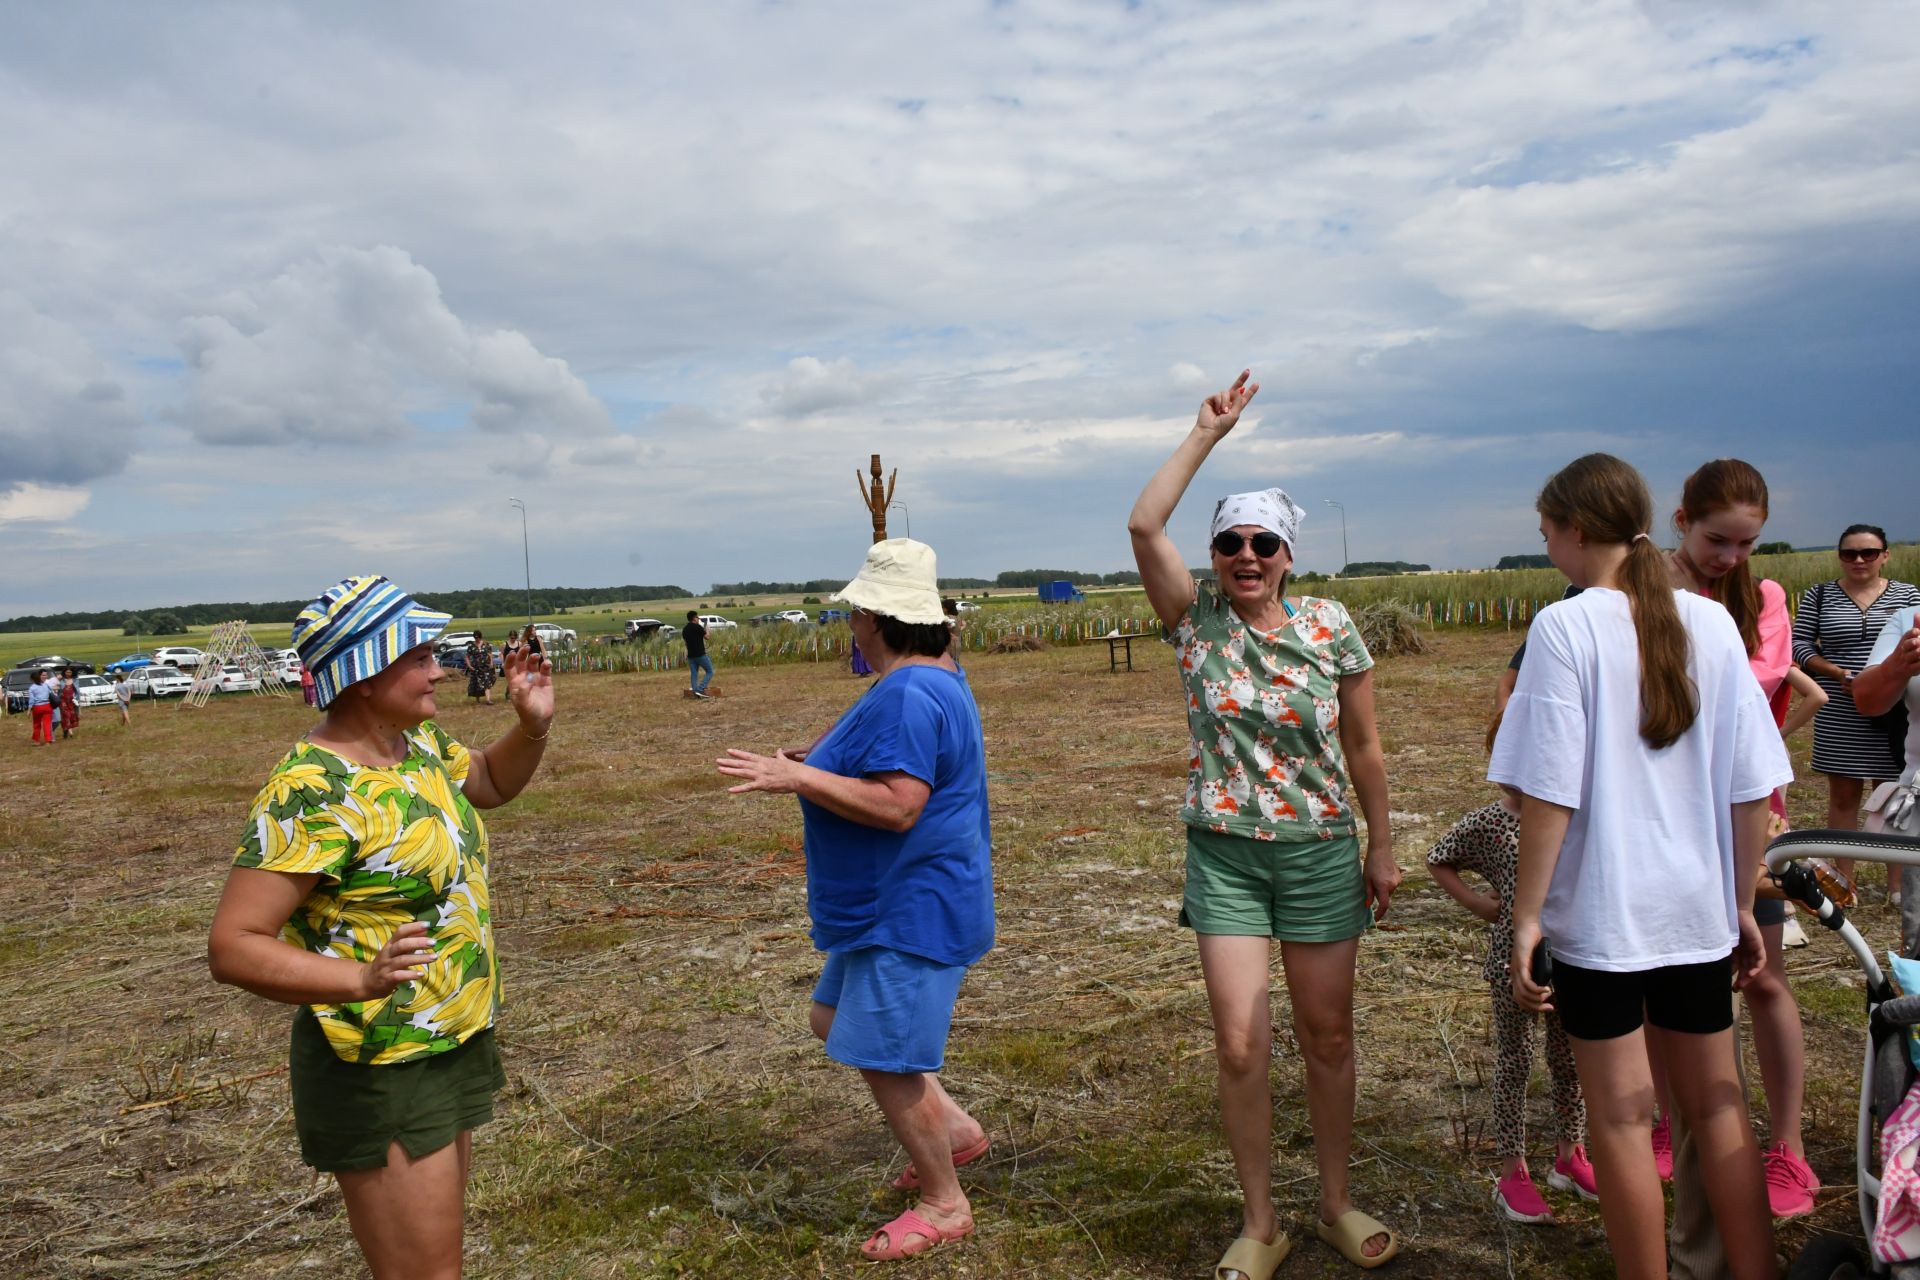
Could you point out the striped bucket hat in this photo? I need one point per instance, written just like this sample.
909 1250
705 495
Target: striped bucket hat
356 629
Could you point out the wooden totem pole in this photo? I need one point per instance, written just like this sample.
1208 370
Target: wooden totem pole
876 497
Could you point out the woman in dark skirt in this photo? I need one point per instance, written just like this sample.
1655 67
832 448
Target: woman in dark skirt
1833 634
480 669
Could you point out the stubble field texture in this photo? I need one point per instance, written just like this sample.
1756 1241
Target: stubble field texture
667 1112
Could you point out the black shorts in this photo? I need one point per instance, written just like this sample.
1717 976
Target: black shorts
1769 911
1598 1004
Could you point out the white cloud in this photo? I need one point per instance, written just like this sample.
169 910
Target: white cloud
347 346
809 384
38 504
64 419
1190 377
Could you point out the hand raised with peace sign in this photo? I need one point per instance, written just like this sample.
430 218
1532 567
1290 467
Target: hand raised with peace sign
1221 410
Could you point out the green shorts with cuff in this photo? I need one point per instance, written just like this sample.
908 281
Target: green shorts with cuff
1296 891
348 1114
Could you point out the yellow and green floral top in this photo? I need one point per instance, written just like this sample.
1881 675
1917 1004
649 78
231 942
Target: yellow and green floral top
390 844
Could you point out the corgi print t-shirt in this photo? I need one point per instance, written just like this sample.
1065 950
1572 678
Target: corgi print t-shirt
1264 711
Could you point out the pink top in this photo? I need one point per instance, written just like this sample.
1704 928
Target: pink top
1771 661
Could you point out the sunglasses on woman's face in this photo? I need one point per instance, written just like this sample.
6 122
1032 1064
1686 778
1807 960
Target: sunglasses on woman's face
1265 545
1851 554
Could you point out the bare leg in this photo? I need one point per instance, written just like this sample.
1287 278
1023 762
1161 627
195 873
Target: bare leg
963 1130
1320 986
1707 1090
1618 1084
1843 811
408 1216
1779 1043
918 1119
1236 970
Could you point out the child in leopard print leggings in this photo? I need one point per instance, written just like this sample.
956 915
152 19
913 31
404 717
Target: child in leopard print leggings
1487 843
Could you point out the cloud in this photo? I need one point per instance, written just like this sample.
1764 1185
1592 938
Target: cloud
350 346
808 385
29 502
1189 377
64 418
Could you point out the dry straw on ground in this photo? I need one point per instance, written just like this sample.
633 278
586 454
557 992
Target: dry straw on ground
668 1113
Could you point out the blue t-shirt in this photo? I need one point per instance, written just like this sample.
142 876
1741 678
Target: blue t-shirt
39 695
927 891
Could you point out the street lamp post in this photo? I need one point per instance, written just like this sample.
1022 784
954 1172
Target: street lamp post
1345 560
526 557
906 514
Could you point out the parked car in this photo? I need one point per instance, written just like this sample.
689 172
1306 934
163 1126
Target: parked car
92 691
158 681
54 662
714 622
185 657
131 662
234 678
554 637
283 664
966 606
798 617
647 628
765 620
15 682
833 615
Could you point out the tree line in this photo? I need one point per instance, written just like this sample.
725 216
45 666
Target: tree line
484 602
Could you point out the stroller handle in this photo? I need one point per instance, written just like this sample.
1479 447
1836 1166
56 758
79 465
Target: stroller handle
1824 843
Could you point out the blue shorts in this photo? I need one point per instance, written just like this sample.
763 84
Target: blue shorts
892 1011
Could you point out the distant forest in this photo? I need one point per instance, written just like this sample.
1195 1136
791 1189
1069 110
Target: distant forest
501 602
486 602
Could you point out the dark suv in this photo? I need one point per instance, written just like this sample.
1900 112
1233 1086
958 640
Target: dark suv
16 683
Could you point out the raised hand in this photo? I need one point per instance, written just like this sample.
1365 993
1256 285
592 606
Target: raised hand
1221 410
404 959
529 678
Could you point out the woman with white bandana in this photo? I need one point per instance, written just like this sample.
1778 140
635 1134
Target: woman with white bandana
1280 707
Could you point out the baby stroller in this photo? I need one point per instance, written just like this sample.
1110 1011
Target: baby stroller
1886 1072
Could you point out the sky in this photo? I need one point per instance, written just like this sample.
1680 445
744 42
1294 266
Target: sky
289 292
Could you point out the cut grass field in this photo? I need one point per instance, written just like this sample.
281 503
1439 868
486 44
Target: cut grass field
667 1113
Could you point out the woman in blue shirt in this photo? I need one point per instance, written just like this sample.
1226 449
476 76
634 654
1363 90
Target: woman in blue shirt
893 800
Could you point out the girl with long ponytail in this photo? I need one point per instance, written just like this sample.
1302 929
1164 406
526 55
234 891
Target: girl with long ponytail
1644 752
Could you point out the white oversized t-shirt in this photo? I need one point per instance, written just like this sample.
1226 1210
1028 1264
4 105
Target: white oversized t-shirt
1646 872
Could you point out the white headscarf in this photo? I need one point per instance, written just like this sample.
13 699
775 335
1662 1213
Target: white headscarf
1269 509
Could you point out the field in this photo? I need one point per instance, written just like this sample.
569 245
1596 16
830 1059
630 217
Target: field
667 1112
1489 598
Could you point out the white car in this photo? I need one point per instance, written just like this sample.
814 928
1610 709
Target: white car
284 664
966 606
185 657
158 681
93 691
797 616
714 622
554 637
234 678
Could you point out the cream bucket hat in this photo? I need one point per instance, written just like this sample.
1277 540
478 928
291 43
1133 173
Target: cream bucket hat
897 580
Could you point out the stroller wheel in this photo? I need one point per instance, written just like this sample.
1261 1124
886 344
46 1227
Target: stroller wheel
1829 1258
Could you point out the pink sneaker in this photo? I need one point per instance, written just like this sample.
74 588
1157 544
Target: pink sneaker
1663 1149
1791 1183
1575 1173
1519 1199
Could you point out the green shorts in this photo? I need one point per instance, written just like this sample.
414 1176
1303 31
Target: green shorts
1297 891
348 1114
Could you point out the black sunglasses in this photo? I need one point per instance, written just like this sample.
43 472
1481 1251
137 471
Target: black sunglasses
1860 553
1265 545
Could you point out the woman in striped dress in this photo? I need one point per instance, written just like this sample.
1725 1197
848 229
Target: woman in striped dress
1833 635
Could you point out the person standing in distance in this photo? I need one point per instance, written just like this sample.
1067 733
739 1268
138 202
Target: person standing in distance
699 665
